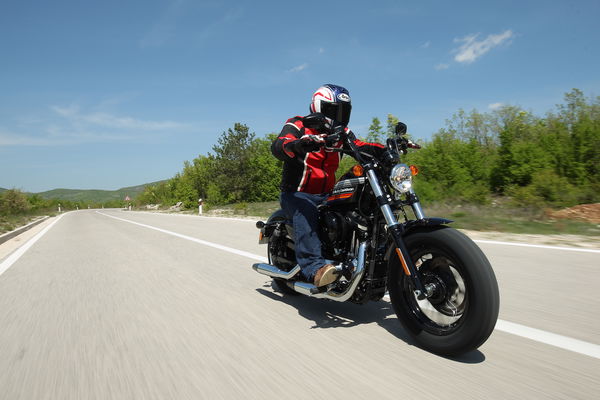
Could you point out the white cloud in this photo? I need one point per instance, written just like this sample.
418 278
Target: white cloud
164 29
11 139
111 121
471 48
70 125
299 68
218 26
442 66
57 137
495 106
426 45
321 50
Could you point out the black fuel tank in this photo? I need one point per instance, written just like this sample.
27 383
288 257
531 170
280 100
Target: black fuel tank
347 191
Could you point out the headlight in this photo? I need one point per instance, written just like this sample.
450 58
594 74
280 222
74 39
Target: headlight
401 178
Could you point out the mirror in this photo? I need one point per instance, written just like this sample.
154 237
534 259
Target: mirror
314 121
401 128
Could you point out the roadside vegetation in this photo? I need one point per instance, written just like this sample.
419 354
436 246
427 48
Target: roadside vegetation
499 170
502 170
471 216
18 208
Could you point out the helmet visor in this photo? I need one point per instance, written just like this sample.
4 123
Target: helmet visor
339 112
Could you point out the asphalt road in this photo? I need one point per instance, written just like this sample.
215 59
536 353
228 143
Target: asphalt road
124 305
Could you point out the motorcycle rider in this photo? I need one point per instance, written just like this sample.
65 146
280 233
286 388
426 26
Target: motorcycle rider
309 167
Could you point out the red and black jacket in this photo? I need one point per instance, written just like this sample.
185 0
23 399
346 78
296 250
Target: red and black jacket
310 172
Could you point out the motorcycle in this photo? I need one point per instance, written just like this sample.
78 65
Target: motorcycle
441 286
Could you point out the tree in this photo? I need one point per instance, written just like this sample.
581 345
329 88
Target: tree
392 120
264 171
375 131
232 155
13 202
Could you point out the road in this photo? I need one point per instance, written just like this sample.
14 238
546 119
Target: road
109 304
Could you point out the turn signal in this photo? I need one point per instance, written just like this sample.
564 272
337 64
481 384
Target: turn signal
414 170
357 170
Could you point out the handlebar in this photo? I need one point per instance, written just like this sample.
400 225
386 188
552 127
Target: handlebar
396 145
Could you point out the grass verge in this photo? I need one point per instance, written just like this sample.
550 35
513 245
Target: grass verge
11 222
472 217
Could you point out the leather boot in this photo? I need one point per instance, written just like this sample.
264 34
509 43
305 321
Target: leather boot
325 275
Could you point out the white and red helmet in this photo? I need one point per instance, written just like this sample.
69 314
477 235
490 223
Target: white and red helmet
334 102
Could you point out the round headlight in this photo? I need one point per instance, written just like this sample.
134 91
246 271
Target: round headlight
401 178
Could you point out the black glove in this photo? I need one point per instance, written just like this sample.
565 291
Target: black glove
306 144
316 121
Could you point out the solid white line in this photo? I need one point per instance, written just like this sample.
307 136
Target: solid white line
539 246
538 335
253 220
200 241
563 342
10 260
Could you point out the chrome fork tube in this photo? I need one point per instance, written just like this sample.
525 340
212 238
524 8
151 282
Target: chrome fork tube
388 214
416 206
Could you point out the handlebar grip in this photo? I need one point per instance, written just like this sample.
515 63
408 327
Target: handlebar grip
413 145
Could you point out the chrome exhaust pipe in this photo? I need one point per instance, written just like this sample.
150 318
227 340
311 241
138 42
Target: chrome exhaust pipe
274 272
311 290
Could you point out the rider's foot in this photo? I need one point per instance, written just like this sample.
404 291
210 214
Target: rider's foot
325 275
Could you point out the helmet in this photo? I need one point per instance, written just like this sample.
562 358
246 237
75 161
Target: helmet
334 102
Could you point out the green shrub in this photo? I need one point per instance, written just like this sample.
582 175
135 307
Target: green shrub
14 202
240 208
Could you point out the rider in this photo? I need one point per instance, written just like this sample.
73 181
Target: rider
309 167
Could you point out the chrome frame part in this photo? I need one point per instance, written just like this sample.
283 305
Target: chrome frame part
387 211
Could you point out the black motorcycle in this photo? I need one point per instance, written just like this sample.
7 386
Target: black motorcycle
441 285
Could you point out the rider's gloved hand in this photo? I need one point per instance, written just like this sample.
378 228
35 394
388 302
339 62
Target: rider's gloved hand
306 144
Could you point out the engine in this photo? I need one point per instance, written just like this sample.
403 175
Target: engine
338 231
335 228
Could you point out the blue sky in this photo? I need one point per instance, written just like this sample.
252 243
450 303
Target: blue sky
107 94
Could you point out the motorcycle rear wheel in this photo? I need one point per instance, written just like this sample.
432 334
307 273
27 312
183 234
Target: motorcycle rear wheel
279 284
463 311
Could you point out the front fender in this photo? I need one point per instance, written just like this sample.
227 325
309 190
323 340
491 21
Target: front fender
411 225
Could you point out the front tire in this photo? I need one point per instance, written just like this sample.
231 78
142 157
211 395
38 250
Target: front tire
463 311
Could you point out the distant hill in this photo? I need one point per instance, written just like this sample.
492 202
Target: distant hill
96 196
3 190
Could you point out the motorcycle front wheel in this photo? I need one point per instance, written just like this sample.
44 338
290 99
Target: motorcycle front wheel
463 310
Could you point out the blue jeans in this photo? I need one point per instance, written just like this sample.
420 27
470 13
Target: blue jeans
302 208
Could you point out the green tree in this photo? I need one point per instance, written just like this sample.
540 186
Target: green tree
232 155
392 120
13 202
375 133
264 171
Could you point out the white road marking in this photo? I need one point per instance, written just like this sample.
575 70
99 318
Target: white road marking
538 335
563 342
10 260
200 241
539 246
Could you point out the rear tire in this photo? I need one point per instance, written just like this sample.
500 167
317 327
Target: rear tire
279 284
464 309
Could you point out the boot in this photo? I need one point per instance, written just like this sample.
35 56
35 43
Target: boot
325 275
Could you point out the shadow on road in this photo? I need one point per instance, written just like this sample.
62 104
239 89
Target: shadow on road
331 314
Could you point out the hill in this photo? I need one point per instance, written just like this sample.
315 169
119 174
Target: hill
93 195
